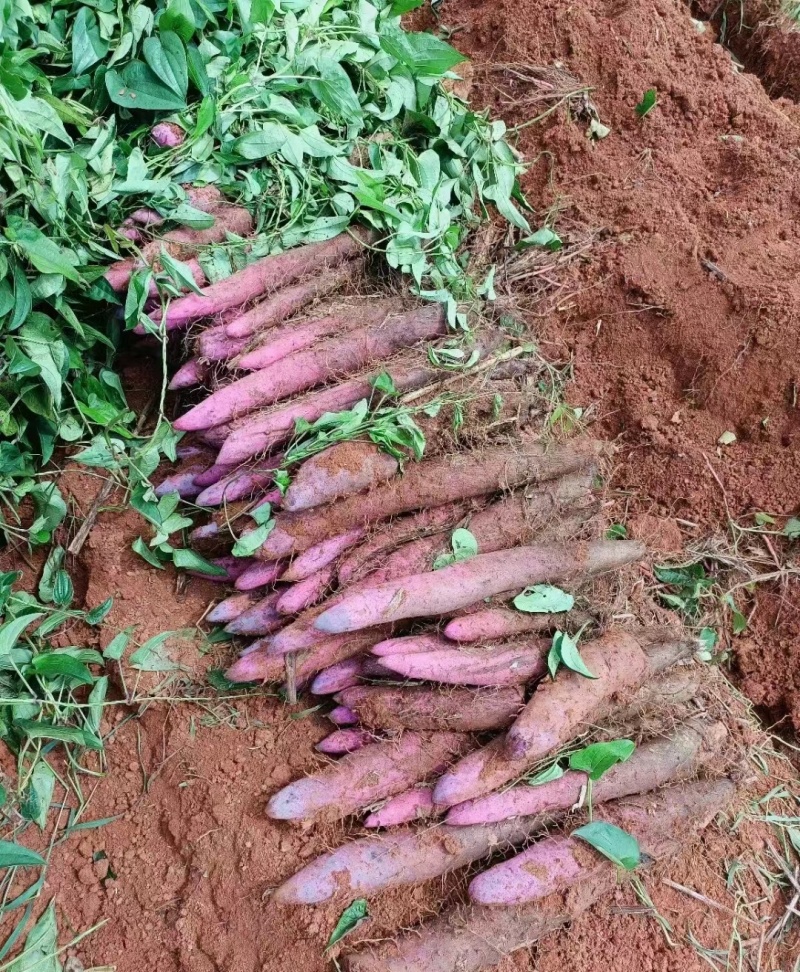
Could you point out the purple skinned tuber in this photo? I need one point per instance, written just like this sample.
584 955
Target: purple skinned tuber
344 741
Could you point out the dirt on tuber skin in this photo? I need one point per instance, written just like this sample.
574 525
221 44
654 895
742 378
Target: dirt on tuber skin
432 483
474 938
433 709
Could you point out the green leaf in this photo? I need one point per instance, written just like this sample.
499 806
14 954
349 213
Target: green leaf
51 567
647 104
181 274
792 528
167 57
549 775
261 514
140 547
764 519
544 599
137 87
187 559
617 531
179 17
611 841
41 946
62 589
424 54
43 252
153 656
42 785
14 855
66 734
118 644
262 143
98 614
464 546
247 544
11 630
351 918
384 384
544 237
709 638
400 7
335 90
598 758
88 47
56 664
564 651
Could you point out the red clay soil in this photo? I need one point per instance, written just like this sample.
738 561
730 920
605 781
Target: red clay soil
683 326
686 324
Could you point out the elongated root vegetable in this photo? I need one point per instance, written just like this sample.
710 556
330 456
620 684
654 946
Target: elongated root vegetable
306 592
214 344
653 763
555 863
341 470
498 664
280 343
258 575
230 608
191 373
562 708
465 583
390 536
259 278
618 666
183 483
314 366
277 343
509 522
337 678
402 857
242 483
480 937
406 856
414 804
257 665
288 301
372 773
411 644
454 710
433 483
342 716
500 622
344 741
260 618
315 558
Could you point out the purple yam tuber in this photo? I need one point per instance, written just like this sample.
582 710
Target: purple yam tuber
414 804
341 470
323 554
283 304
434 482
330 358
337 678
366 776
451 710
260 574
465 583
306 592
261 277
344 741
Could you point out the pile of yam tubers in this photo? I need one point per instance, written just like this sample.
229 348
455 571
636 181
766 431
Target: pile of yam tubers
446 698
